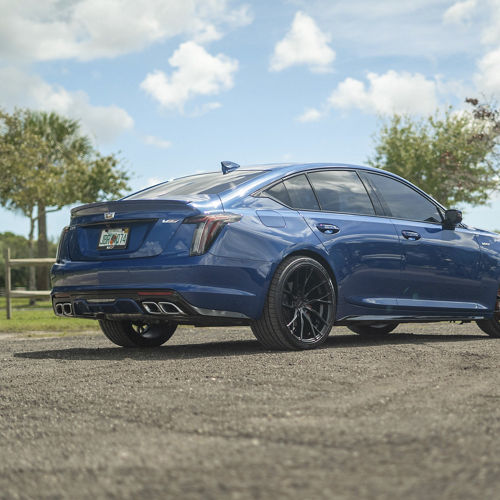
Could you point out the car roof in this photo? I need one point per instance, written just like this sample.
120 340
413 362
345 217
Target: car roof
285 168
273 171
297 167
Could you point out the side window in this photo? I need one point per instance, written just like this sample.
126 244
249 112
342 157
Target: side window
301 193
279 192
341 191
403 202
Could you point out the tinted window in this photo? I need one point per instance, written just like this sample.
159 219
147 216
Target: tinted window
402 201
279 192
341 191
196 184
301 193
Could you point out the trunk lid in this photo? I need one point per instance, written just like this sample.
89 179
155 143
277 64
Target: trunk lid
144 228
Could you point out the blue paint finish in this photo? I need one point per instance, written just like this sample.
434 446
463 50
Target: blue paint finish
364 255
441 265
271 218
378 272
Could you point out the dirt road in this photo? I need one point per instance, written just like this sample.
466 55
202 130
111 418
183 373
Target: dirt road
211 415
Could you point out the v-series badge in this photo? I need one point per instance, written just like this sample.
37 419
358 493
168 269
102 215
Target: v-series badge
169 221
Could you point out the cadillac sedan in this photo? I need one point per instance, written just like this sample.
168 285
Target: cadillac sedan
290 250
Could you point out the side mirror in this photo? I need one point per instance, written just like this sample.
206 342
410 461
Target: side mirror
452 218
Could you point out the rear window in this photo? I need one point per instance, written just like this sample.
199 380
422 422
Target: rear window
212 183
301 193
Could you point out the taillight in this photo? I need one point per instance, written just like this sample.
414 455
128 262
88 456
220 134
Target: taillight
207 229
60 244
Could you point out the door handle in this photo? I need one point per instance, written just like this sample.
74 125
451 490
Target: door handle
328 228
411 235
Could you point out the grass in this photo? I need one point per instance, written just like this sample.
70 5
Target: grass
26 318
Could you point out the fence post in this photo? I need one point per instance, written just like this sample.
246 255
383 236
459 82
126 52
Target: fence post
8 283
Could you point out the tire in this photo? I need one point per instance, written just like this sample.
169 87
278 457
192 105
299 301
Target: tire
374 330
492 326
300 307
137 334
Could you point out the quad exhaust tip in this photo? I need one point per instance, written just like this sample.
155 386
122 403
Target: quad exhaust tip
170 308
162 308
151 307
64 309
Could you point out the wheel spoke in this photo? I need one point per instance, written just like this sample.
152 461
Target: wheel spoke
301 325
141 328
319 301
312 325
306 281
315 287
322 297
317 314
296 282
293 320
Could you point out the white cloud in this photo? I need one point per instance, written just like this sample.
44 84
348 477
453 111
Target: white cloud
391 92
310 115
488 78
21 89
205 108
196 72
491 32
460 12
89 29
157 142
304 44
371 28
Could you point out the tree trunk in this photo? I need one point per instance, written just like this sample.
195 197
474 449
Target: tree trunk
43 247
32 270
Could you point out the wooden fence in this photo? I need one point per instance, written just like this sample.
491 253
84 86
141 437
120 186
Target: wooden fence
10 294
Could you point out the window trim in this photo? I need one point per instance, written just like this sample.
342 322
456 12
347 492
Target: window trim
378 207
373 188
361 182
262 192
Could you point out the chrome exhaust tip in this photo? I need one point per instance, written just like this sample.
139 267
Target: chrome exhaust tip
67 309
59 310
151 307
170 308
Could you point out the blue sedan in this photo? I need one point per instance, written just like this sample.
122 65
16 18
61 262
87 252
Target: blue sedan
289 249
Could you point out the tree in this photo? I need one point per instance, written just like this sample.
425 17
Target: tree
453 156
47 163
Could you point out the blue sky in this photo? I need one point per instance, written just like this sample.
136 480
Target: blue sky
176 86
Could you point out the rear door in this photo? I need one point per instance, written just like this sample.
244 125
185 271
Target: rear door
440 268
363 247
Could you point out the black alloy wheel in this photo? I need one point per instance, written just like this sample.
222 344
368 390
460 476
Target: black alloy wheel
373 329
300 308
137 333
492 326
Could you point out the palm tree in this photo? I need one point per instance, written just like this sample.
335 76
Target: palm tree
46 163
64 149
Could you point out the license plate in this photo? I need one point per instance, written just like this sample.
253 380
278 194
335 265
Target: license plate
114 238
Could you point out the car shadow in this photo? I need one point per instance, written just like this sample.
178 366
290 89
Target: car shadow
231 348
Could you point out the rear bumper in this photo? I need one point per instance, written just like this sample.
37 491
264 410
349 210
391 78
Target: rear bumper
206 286
140 305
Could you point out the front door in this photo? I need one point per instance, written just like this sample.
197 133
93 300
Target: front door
440 268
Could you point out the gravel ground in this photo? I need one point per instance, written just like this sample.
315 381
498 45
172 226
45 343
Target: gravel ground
211 415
